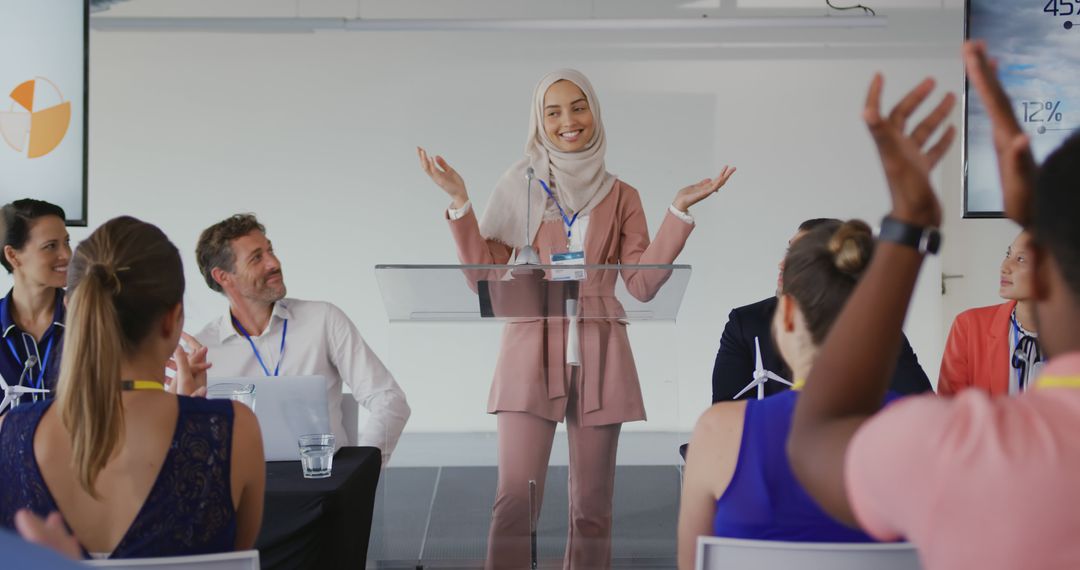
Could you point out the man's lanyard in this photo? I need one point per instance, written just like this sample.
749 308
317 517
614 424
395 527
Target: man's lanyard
42 364
281 351
566 220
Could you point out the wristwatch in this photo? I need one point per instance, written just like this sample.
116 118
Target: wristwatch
924 239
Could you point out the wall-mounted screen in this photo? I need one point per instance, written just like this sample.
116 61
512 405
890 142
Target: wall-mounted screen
1037 46
43 86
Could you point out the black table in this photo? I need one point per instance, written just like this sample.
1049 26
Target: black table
319 523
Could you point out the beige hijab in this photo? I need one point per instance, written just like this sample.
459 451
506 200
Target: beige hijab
578 179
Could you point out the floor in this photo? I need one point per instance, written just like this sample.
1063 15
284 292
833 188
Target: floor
437 517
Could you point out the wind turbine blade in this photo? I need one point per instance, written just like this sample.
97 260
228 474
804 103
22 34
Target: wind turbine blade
4 404
757 355
746 389
778 378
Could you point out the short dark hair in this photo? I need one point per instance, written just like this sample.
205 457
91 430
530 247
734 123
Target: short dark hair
1057 209
822 269
215 245
16 219
817 222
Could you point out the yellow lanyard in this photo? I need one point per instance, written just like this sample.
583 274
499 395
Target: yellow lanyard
798 385
1058 382
141 385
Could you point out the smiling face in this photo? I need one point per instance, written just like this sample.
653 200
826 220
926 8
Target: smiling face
1016 271
568 119
43 260
257 272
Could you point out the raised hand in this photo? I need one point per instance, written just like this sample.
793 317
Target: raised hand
904 156
190 367
444 176
697 192
49 532
1016 165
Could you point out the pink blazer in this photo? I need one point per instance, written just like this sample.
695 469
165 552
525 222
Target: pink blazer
531 375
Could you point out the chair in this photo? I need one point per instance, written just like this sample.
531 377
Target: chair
350 416
714 552
243 560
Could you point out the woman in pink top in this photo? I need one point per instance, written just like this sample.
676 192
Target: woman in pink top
972 481
576 205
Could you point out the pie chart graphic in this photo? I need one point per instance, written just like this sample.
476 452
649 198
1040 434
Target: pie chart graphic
37 119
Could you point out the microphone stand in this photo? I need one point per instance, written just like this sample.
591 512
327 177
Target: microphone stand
527 255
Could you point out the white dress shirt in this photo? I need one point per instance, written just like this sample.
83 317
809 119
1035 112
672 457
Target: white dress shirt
322 341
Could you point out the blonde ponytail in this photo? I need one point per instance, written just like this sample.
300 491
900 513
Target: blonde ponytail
89 383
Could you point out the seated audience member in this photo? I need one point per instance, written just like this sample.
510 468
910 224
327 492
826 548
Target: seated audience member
250 339
996 348
134 471
737 482
734 366
973 481
36 252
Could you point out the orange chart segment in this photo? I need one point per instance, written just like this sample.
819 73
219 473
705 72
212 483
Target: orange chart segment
47 129
24 95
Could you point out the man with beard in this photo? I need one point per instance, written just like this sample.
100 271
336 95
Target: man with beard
250 339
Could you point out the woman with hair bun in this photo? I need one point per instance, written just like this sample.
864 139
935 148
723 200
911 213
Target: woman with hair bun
737 482
135 471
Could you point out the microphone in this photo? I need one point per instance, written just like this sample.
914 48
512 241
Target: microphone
527 255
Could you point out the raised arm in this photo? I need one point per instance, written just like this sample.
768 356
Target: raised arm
851 374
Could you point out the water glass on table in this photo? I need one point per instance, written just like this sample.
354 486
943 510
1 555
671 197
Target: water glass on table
316 455
243 393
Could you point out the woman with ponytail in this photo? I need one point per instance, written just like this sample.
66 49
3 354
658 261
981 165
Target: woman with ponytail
577 208
737 482
134 470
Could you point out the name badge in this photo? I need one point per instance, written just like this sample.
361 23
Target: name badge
569 258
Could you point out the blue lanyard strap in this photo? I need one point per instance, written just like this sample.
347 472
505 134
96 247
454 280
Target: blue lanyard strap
42 364
568 221
281 351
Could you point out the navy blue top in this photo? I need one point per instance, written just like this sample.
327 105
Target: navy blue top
16 346
764 501
189 509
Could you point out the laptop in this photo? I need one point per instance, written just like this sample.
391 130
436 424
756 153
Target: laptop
287 407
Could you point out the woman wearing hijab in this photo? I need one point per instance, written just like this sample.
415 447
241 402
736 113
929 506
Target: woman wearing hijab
996 348
577 206
36 252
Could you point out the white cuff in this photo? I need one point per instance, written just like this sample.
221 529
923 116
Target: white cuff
684 216
457 214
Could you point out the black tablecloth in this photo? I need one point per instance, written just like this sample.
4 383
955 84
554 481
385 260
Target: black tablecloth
319 523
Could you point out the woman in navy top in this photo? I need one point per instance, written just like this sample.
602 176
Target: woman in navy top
36 252
737 481
134 470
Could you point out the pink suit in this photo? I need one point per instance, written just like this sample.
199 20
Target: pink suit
533 388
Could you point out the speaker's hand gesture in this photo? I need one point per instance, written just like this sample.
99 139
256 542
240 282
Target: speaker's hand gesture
444 176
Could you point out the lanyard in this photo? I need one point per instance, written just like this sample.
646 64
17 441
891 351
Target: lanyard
281 351
798 385
1058 382
41 364
141 385
568 221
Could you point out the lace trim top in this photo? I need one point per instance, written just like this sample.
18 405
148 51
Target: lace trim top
189 509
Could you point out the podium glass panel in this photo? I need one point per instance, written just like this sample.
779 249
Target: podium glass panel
570 359
475 292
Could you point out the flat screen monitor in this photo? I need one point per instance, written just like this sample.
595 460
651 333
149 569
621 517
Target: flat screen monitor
43 103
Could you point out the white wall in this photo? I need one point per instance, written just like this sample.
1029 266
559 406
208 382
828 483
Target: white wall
316 133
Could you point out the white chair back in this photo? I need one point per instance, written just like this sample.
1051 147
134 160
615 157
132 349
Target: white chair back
714 553
243 560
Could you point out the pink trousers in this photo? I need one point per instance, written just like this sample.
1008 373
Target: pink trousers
524 449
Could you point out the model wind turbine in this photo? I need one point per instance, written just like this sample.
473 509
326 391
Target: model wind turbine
12 393
761 376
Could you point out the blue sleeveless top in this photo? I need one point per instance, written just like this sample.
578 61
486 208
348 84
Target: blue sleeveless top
764 501
189 509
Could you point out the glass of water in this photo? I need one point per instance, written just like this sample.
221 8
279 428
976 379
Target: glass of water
316 455
243 393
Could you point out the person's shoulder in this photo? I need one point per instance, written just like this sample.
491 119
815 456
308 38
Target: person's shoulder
210 333
722 416
980 314
755 311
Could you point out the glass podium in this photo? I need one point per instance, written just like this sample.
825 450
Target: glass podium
571 327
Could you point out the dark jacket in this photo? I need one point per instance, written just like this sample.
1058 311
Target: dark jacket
734 367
